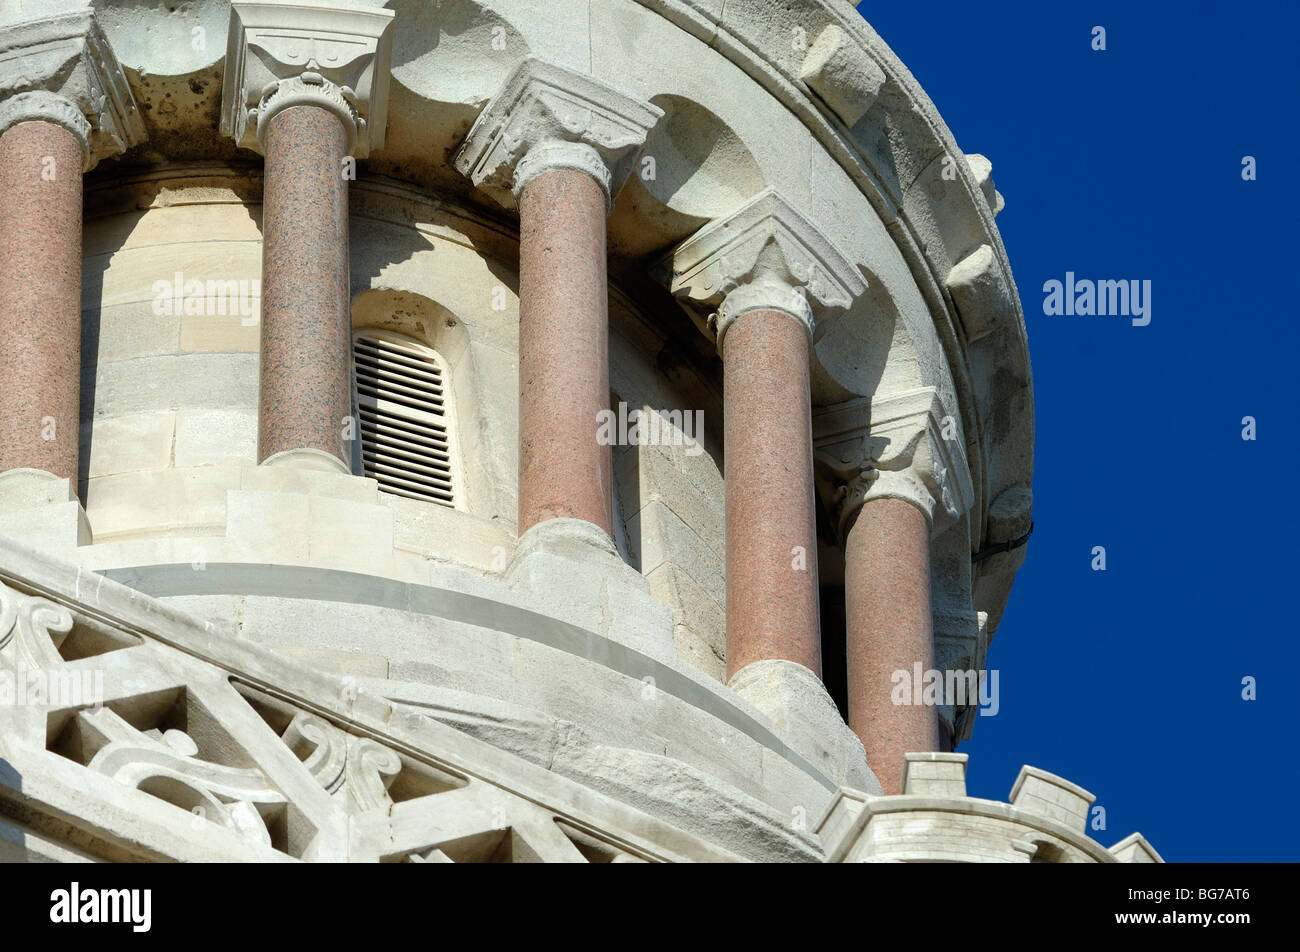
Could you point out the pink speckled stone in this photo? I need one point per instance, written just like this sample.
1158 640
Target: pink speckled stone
40 298
306 298
563 351
772 605
887 600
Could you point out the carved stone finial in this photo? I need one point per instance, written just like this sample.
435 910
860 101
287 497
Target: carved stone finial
897 447
767 256
547 117
280 55
61 69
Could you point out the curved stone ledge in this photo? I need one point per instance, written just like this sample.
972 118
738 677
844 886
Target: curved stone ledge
483 627
934 821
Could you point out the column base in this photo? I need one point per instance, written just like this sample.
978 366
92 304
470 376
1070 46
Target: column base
41 510
560 564
796 701
308 459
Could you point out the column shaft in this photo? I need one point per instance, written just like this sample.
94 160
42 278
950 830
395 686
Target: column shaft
306 308
772 606
890 628
40 298
563 351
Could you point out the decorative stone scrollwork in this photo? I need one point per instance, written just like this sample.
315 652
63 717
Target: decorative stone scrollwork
31 630
764 256
357 768
166 765
61 69
547 117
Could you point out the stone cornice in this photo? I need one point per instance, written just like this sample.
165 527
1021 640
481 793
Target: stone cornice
61 69
548 117
287 54
891 448
765 255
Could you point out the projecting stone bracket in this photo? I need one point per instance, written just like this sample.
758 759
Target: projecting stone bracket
61 69
764 255
547 117
280 55
903 447
842 74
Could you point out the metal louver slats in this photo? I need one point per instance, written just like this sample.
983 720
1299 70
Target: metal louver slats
404 441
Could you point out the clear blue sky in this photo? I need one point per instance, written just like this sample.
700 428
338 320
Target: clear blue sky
1127 164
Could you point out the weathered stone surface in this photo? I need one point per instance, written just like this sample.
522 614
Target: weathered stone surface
480 690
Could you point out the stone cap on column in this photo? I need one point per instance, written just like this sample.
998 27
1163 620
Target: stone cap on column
763 256
548 117
281 54
902 446
61 69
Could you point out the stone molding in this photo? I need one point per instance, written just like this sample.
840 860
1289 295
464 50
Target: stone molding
763 256
310 89
280 55
890 448
61 69
547 117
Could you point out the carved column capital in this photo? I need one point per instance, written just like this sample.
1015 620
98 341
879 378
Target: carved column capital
547 117
764 256
61 69
899 447
280 55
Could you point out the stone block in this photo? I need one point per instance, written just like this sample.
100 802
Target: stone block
934 774
132 442
1047 795
569 569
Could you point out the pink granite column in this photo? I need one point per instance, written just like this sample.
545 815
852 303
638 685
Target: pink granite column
40 298
563 350
772 604
889 629
306 308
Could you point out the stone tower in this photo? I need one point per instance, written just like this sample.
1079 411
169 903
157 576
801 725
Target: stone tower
372 374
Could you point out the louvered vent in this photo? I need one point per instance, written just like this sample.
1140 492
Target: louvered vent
404 421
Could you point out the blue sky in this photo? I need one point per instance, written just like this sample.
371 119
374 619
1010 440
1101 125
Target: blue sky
1126 164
